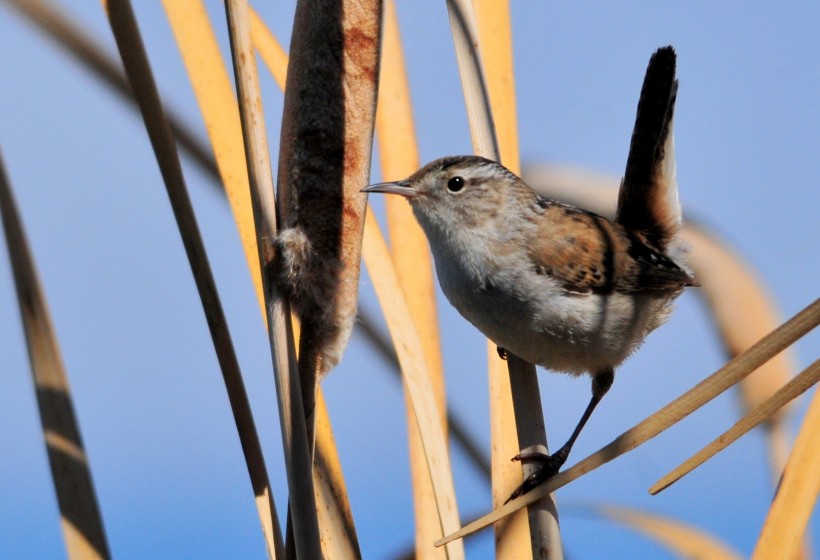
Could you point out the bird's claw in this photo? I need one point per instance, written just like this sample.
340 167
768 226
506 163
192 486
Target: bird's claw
550 465
532 457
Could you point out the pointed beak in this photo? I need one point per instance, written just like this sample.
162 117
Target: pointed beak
394 187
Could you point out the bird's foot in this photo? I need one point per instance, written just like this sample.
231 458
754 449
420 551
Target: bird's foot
502 352
550 465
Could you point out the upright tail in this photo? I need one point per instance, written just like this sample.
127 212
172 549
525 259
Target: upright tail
648 199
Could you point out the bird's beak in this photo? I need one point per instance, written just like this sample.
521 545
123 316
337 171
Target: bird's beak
394 187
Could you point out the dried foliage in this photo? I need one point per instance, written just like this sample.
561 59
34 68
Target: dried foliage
138 70
304 249
79 513
414 266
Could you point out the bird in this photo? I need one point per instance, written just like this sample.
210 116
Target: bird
556 285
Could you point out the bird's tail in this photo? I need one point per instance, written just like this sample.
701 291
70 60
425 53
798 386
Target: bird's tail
648 199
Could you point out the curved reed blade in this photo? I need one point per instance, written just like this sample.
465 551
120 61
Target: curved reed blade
338 532
765 410
590 190
744 311
411 356
295 433
137 67
516 414
727 376
681 539
270 50
473 82
797 494
217 103
79 513
494 32
91 54
414 265
458 430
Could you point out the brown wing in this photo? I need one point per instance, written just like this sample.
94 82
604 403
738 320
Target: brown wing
648 199
646 268
587 253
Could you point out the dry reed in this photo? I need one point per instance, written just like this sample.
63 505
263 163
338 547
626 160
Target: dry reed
80 517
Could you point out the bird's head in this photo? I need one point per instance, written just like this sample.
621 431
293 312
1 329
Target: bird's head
463 190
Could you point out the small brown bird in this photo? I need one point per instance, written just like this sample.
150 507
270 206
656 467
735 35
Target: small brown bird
558 286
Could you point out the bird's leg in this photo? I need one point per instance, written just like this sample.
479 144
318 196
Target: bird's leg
601 382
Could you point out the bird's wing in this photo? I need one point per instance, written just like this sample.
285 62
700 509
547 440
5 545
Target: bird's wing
587 253
648 199
645 268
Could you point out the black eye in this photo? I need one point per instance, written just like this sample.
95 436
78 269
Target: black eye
455 184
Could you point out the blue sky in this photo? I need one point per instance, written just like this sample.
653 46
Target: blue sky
149 396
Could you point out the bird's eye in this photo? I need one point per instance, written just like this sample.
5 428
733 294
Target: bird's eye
455 184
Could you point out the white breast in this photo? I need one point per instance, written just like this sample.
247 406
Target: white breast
530 315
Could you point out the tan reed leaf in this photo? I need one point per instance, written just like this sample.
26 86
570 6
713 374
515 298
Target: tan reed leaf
270 50
797 494
683 540
473 82
414 266
763 412
338 532
743 310
512 534
217 103
411 357
138 70
80 517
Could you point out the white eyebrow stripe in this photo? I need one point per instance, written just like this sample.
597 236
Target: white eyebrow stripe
489 170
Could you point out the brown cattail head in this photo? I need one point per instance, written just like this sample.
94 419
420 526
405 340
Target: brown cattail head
327 132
